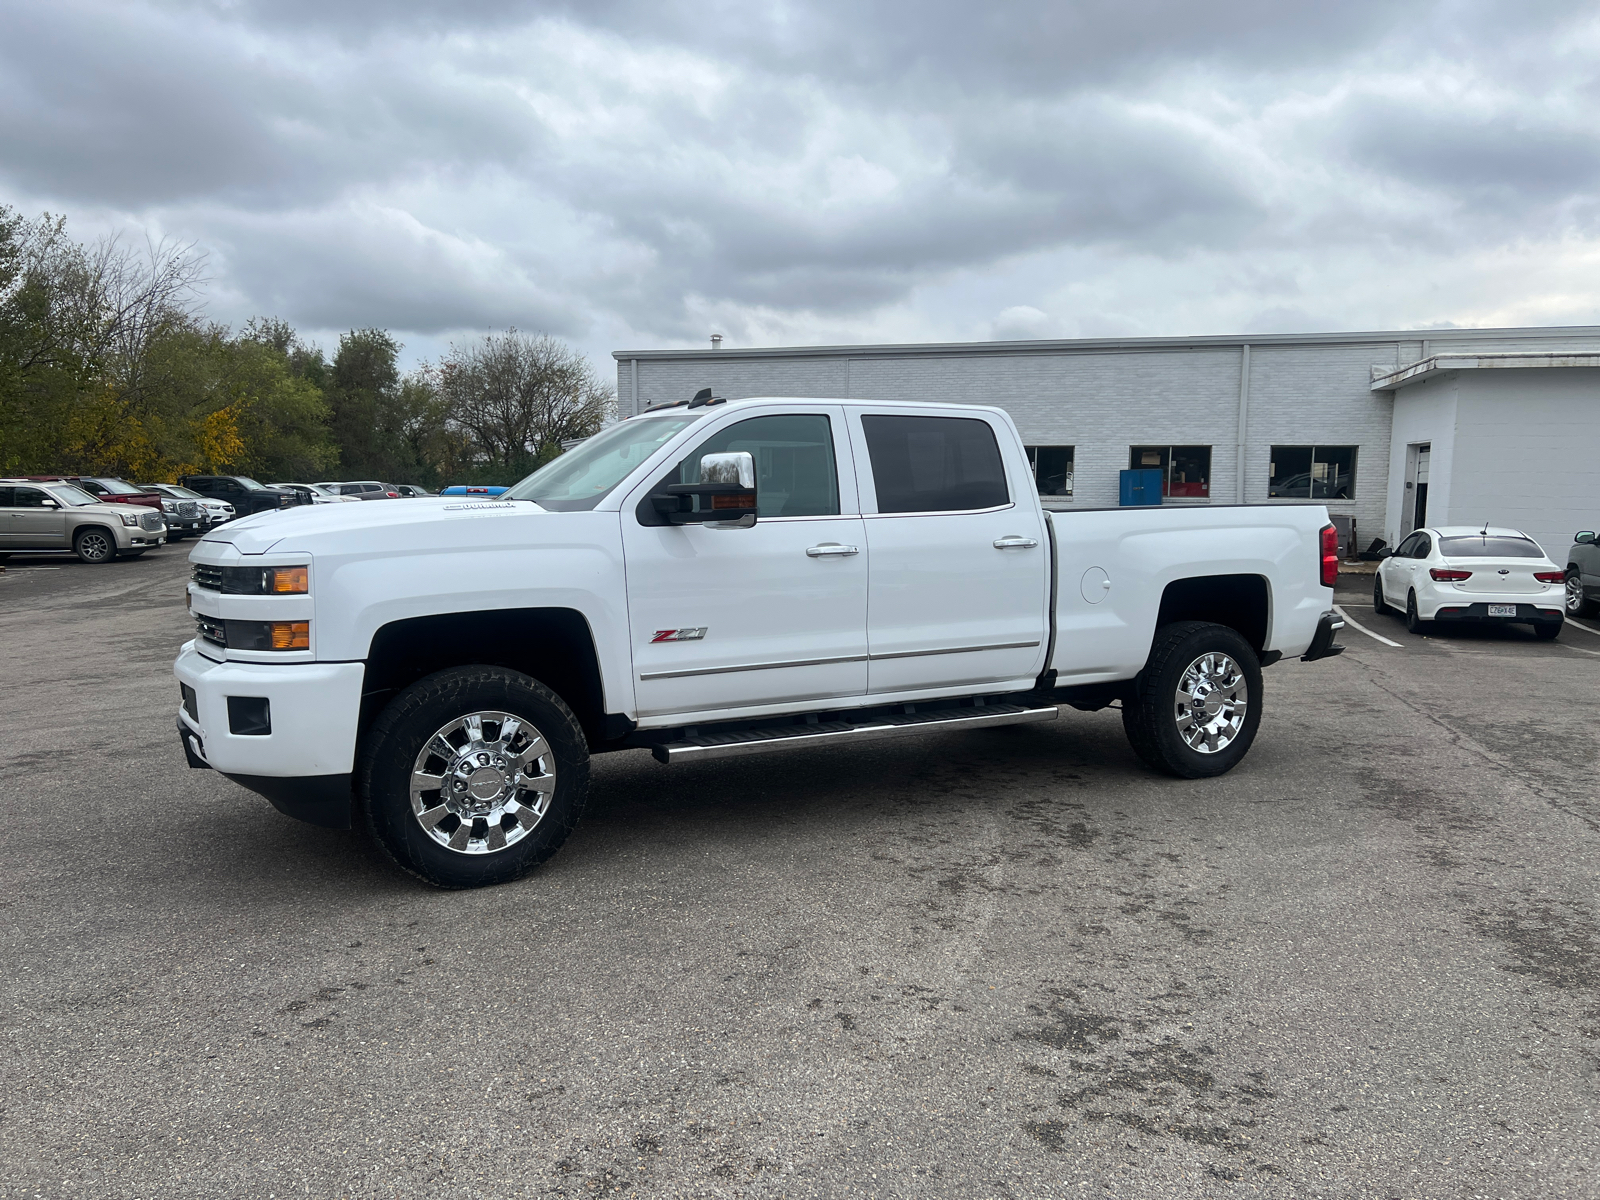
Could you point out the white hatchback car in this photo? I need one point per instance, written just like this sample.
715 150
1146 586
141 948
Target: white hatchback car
1471 573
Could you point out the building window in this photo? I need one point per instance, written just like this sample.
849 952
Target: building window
1052 469
1185 470
1312 472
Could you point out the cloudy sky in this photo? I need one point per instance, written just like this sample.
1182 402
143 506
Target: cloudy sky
639 173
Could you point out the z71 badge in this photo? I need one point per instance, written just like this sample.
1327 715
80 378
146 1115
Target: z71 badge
679 635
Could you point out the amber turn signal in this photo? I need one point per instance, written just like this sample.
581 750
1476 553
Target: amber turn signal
287 581
291 635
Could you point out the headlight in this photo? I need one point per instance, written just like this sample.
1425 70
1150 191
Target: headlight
256 635
169 506
265 581
130 519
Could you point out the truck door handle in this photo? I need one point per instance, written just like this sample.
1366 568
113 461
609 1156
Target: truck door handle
830 550
1015 543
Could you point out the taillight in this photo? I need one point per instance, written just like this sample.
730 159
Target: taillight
1549 576
1330 556
1446 575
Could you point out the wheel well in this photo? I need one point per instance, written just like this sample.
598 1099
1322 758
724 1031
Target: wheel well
1237 601
105 529
554 645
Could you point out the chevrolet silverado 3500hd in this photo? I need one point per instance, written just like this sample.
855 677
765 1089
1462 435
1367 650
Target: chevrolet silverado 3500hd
713 579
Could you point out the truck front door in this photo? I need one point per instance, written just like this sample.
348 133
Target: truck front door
774 614
960 567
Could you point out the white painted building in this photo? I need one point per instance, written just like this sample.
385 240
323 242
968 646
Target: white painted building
1498 425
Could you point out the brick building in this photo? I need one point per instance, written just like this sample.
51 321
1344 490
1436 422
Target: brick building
1499 425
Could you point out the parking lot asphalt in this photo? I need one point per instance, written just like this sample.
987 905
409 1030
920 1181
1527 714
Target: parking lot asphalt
1004 963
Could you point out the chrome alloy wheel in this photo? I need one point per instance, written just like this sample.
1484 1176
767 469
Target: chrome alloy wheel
1213 697
1575 594
482 782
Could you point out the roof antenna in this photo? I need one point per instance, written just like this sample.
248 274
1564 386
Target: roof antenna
701 398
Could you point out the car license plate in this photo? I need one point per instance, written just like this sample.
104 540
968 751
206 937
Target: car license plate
1502 610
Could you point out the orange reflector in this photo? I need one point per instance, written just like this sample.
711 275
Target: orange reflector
289 581
731 502
290 635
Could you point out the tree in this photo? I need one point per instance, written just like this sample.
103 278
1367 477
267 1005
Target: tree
519 396
361 386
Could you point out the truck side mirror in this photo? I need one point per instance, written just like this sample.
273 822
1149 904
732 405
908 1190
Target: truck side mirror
1584 538
727 492
48 504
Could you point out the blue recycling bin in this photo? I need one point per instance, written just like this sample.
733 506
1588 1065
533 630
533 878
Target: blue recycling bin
1142 486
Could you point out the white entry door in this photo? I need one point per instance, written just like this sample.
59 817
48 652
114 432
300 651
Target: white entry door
960 572
766 616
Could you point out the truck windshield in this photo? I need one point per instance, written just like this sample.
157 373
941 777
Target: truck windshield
581 477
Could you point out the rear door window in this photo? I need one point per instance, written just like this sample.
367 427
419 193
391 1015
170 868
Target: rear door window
934 464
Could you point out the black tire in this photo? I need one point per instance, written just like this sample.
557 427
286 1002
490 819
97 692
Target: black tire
411 720
1150 716
94 545
1547 631
1576 604
1379 605
1414 622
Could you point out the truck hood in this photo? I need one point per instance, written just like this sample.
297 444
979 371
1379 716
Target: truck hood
310 526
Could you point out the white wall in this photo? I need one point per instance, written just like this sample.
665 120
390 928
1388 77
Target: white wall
1423 412
1527 452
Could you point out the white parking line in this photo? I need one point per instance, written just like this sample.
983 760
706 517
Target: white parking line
1360 628
1585 628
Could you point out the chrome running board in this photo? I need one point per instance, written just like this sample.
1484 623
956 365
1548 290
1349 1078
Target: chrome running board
710 745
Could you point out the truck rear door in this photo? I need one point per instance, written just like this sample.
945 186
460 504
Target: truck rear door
959 560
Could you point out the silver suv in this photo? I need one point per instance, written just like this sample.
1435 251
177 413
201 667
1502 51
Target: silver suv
43 517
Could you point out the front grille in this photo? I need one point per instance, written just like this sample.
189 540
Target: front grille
188 508
208 577
151 522
212 630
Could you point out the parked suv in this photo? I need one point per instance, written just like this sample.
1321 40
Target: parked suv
246 495
42 517
1583 575
212 512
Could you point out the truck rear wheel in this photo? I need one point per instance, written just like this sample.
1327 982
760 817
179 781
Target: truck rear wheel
1197 703
474 776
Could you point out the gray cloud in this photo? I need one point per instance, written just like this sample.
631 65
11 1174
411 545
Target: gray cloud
630 170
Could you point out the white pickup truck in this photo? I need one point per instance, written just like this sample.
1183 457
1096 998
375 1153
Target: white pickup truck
716 578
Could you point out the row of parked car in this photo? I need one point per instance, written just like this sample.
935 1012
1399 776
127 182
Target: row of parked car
100 518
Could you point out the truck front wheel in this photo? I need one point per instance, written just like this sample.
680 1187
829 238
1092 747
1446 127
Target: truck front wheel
474 776
1197 703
